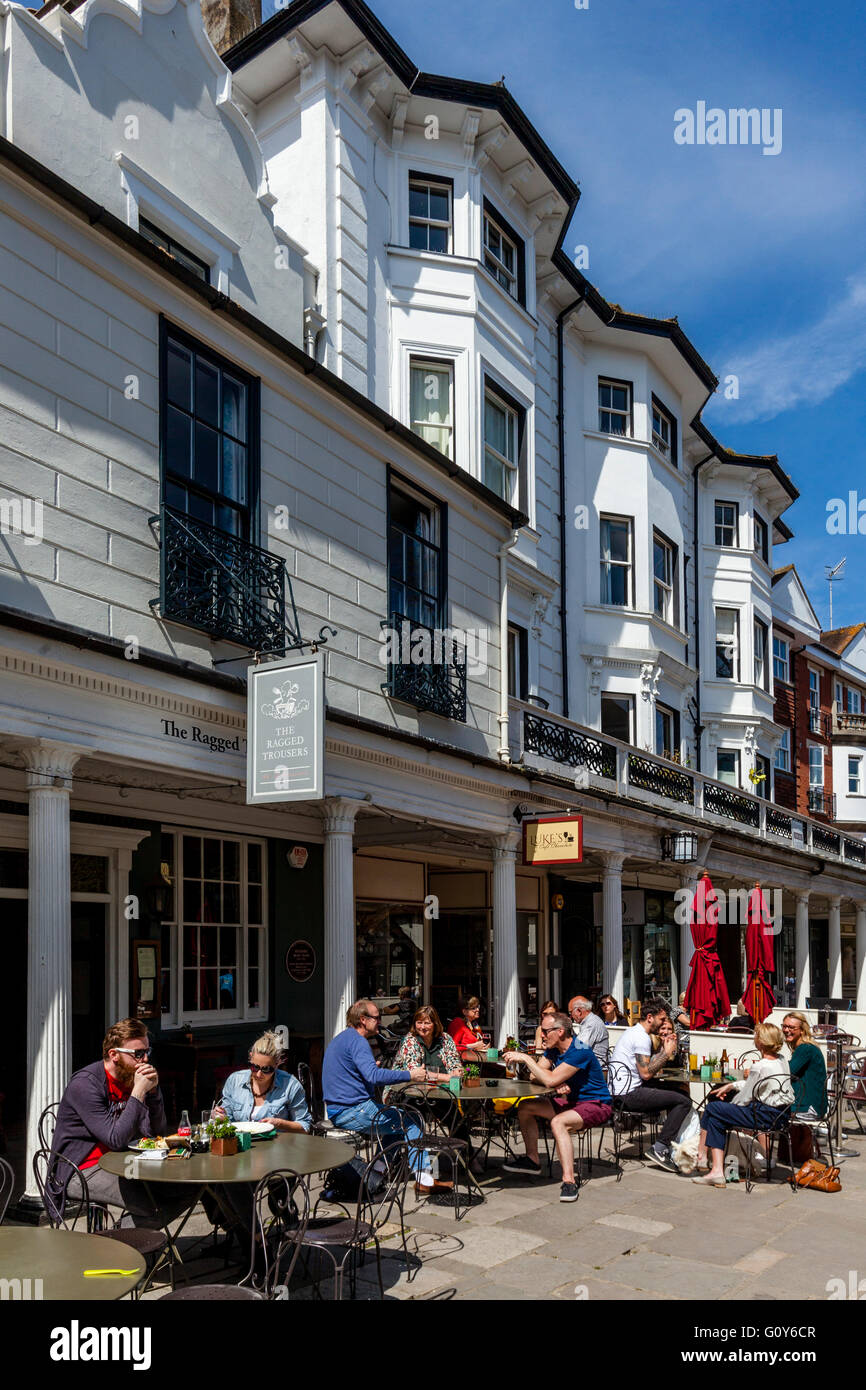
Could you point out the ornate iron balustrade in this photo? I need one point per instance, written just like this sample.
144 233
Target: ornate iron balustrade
655 777
431 672
855 850
726 801
564 745
826 840
224 585
779 824
821 804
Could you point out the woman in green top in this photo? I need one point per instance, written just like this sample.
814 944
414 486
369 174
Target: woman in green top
808 1068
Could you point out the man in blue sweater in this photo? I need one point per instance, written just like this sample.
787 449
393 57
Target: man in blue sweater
350 1078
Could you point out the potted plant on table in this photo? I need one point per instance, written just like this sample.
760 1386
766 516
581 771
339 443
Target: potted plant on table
223 1138
471 1074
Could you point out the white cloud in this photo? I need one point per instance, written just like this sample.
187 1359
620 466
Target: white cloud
802 368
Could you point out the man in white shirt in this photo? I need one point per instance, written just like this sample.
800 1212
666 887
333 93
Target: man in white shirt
632 1070
588 1027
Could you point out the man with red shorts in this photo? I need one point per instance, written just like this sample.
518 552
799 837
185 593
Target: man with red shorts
580 1099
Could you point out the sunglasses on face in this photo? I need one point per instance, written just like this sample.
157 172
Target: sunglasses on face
545 1031
140 1054
265 1071
375 1017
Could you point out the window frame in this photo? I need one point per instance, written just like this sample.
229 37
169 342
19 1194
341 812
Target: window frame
155 235
671 750
168 330
815 762
784 661
397 482
759 626
518 661
761 527
659 538
733 753
628 565
671 455
723 525
609 410
441 182
240 1016
437 364
839 696
492 387
853 700
858 775
783 749
628 699
735 660
491 214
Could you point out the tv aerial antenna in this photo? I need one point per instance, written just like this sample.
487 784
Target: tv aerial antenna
833 574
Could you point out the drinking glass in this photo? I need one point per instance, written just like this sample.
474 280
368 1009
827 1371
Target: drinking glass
693 1061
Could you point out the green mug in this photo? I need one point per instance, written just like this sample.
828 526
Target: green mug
492 1054
454 1084
245 1141
706 1073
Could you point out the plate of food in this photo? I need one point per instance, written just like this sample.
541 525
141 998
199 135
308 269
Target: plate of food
256 1128
158 1145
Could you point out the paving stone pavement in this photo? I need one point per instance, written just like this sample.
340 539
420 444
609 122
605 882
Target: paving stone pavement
651 1236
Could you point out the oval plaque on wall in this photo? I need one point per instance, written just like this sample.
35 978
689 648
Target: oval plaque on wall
300 962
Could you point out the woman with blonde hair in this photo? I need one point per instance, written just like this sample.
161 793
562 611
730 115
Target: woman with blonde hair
262 1091
757 1103
808 1068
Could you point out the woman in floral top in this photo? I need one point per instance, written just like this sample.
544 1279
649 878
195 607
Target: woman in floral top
428 1045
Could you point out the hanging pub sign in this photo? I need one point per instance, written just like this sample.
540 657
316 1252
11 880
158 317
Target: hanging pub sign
553 840
286 730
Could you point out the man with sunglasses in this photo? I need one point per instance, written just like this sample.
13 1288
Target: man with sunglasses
107 1106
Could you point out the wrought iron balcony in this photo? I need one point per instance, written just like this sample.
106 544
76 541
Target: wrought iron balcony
821 803
224 585
429 671
819 723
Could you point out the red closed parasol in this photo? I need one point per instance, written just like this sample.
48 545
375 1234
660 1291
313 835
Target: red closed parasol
707 997
759 999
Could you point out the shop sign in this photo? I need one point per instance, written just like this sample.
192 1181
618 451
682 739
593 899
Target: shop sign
553 840
286 730
633 908
300 962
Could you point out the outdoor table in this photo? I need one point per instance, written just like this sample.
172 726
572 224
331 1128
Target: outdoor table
58 1259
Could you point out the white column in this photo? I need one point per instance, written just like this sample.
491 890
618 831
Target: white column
49 933
687 945
505 992
803 969
612 977
338 815
834 928
861 958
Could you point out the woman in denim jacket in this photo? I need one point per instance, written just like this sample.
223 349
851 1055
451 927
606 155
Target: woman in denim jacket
263 1092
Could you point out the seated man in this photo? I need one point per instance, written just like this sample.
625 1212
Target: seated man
404 1011
581 1099
350 1077
589 1028
106 1106
632 1071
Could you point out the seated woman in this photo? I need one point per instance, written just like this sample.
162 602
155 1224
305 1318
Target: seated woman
745 1110
666 1029
262 1091
428 1045
551 1007
808 1068
466 1032
611 1013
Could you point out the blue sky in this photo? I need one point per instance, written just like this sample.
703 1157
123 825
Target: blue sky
762 257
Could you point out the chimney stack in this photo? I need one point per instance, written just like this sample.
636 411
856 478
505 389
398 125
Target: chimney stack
229 21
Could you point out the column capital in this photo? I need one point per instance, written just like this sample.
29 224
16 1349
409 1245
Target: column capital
860 909
612 859
506 846
338 814
48 762
834 901
802 895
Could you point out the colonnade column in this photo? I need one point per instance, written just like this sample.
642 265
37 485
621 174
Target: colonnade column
506 997
834 928
338 816
49 932
612 972
860 956
802 964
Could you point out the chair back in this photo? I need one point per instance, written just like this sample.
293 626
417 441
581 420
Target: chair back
305 1076
434 1108
63 1190
777 1093
619 1079
383 1185
281 1214
632 1011
47 1123
7 1183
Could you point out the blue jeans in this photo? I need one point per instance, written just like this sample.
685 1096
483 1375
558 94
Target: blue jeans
721 1116
361 1117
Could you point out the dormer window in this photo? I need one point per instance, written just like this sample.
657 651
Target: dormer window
174 249
430 214
503 254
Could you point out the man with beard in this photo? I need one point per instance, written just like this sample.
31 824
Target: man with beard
107 1106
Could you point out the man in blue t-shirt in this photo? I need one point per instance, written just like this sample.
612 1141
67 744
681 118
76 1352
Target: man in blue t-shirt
579 1099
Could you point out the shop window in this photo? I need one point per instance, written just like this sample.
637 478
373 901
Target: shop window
215 944
389 947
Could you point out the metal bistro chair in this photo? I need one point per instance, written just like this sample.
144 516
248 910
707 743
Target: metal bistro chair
322 1126
626 1123
438 1114
823 1126
68 1206
46 1125
773 1091
344 1239
7 1183
854 1085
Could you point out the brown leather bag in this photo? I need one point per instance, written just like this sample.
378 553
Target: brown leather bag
818 1176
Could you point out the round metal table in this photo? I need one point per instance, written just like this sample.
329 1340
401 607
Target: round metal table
49 1265
303 1153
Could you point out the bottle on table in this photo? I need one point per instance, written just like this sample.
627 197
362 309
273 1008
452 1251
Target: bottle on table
184 1127
724 1061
